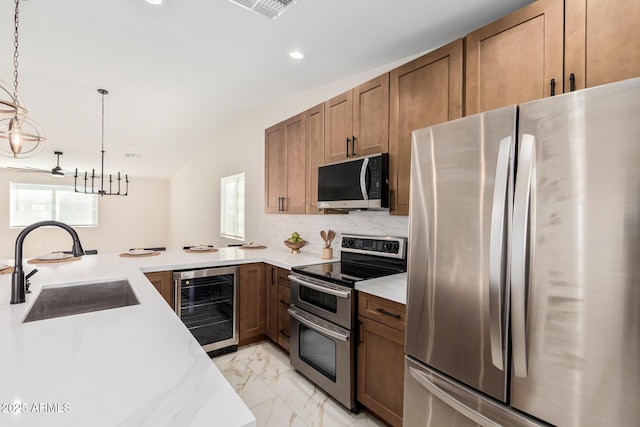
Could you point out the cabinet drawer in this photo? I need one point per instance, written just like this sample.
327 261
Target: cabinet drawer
284 330
284 298
283 276
382 310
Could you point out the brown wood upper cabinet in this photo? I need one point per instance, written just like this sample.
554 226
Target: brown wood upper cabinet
602 42
285 166
423 92
357 122
521 57
515 58
315 154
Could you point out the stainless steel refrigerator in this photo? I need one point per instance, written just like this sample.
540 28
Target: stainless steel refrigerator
523 304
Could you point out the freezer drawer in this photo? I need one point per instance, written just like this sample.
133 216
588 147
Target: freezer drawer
431 400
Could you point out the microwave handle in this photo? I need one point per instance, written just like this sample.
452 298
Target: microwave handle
363 179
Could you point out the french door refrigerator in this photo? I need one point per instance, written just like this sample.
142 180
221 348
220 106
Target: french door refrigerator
523 304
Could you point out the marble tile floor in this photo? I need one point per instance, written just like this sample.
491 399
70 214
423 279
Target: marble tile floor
278 395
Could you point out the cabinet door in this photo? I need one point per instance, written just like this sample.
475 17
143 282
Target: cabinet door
275 168
252 303
295 135
271 280
338 126
602 41
371 117
163 282
315 154
381 370
425 91
513 59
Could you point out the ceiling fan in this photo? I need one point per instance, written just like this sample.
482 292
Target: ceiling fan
55 171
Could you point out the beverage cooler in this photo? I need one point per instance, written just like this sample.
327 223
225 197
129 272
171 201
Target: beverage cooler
205 301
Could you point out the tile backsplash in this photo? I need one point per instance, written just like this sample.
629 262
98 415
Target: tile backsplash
373 223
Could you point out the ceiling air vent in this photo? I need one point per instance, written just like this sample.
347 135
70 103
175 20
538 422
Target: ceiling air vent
270 8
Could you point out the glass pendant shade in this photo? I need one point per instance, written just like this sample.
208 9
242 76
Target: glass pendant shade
20 138
15 136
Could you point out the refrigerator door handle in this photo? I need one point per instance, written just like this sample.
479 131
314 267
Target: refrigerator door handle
451 401
497 252
526 167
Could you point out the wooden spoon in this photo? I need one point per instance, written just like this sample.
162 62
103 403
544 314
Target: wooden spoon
324 236
331 236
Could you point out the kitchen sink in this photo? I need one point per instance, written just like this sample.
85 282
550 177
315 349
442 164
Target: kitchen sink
59 301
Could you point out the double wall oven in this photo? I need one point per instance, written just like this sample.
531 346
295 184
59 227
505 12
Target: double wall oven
324 310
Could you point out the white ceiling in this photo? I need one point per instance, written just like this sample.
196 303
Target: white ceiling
177 71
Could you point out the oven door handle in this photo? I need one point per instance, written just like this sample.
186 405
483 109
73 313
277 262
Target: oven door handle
318 328
320 288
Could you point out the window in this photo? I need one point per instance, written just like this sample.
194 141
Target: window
31 203
232 206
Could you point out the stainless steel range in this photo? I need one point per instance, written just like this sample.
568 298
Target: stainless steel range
324 310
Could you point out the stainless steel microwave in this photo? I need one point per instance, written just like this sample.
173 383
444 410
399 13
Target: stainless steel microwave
358 183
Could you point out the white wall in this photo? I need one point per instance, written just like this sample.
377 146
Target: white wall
140 219
239 146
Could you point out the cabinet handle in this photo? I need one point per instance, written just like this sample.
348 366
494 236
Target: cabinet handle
285 334
553 87
273 276
572 82
360 334
383 311
353 146
391 208
348 140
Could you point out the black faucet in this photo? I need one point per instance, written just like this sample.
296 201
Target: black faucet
17 278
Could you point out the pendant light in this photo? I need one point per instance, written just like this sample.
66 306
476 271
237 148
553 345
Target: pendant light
91 189
24 136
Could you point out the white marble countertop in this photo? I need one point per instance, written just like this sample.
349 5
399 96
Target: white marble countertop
129 366
393 288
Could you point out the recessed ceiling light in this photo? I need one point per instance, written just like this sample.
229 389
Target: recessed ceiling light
297 55
156 2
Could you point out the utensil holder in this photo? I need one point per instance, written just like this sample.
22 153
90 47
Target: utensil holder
327 253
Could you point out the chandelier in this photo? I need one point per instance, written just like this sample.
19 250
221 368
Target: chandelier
25 137
92 189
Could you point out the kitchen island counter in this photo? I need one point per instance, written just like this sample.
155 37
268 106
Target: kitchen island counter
129 366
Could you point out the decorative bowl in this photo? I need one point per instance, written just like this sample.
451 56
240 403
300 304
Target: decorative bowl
294 246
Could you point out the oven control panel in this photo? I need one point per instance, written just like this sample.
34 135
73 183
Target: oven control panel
383 246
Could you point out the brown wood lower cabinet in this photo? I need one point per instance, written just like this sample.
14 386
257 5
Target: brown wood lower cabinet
284 298
277 302
252 303
163 282
381 357
271 280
